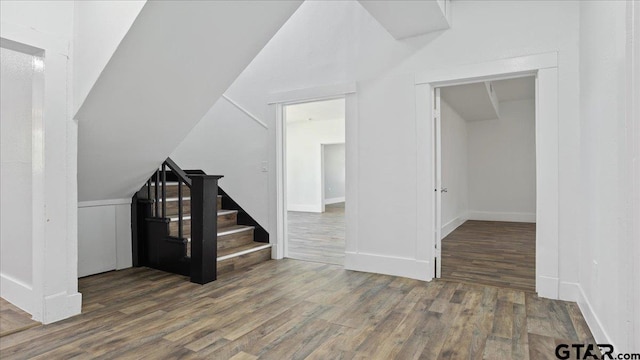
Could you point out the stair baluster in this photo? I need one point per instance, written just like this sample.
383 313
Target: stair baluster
180 211
156 204
164 190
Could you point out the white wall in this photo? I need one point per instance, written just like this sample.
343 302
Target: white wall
52 17
387 216
47 26
323 43
173 64
634 112
304 161
455 202
502 164
387 116
607 275
99 27
334 173
16 220
228 142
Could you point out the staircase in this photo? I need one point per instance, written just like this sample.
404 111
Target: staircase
184 224
236 246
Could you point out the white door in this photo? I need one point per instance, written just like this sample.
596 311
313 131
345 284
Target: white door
437 153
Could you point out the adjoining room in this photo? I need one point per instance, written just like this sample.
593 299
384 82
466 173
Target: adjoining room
488 177
315 180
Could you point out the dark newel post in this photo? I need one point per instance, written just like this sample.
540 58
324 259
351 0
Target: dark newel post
204 228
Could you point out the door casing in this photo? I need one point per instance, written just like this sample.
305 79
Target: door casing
545 69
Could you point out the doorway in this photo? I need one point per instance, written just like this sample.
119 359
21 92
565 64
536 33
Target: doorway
486 175
315 168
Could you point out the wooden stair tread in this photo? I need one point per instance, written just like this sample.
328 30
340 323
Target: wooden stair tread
227 230
241 250
175 198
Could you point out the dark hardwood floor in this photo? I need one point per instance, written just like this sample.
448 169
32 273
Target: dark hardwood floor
291 309
492 253
317 237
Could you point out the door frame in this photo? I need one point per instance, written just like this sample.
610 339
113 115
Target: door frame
277 102
545 69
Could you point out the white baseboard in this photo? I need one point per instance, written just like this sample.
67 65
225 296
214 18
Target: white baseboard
595 325
107 202
388 265
574 292
547 287
334 200
451 225
305 208
569 291
61 306
17 293
55 307
502 216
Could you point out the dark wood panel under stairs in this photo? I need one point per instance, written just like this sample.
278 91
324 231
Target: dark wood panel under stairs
236 246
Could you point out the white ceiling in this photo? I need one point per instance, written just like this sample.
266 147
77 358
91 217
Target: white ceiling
515 89
317 110
407 18
473 102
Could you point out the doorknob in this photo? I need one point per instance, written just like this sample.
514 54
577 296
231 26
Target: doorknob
444 190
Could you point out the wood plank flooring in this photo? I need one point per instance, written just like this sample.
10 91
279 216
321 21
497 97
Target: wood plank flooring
291 309
492 253
318 237
13 319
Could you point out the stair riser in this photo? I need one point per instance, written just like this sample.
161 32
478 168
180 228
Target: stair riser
237 239
172 192
172 208
231 240
223 221
227 220
244 261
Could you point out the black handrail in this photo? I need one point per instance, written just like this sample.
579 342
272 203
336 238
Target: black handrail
179 172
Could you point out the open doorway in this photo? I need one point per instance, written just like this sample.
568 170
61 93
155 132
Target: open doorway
314 153
486 176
